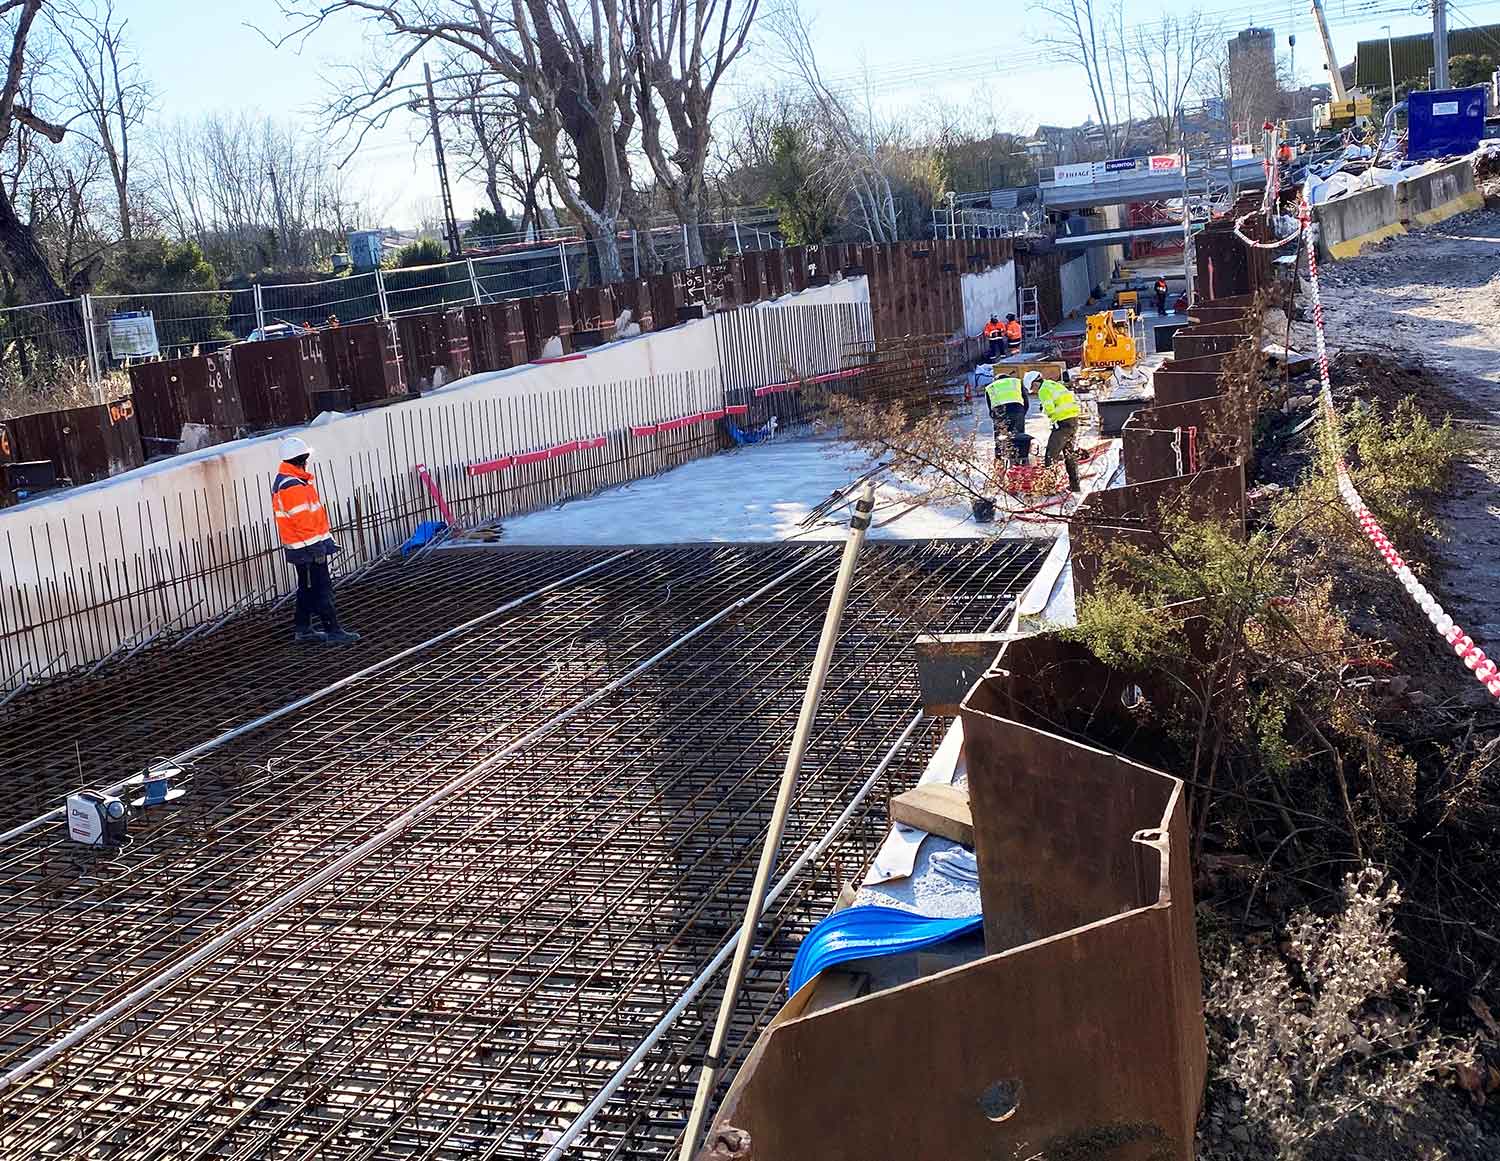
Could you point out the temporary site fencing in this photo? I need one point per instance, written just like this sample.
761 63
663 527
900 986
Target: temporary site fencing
100 581
95 334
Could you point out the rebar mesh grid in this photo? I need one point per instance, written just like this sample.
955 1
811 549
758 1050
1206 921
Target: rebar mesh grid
93 731
463 990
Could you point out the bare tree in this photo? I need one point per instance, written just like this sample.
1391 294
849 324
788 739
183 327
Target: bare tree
569 68
1092 37
487 137
70 213
111 94
684 48
854 141
250 191
32 279
1169 57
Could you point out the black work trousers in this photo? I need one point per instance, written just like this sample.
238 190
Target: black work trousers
315 595
1063 442
1010 421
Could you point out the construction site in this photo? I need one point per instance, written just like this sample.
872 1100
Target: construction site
1018 693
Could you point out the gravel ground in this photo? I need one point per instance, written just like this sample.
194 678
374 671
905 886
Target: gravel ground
1426 306
1434 298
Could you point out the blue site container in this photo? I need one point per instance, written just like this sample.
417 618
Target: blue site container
1443 122
364 250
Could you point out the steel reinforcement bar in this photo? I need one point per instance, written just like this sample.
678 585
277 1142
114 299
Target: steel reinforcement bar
463 988
98 730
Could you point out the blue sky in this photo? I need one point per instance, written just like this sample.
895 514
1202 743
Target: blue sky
202 56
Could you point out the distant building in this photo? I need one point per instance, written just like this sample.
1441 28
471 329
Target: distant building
1067 145
1411 56
1255 45
1253 95
1297 104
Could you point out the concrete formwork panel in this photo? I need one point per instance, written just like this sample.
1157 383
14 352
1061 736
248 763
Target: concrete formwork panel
435 345
277 377
364 358
497 337
85 443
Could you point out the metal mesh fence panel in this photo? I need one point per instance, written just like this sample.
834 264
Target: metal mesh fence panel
44 355
182 323
314 304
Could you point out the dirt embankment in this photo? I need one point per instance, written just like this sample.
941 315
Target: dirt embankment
1418 317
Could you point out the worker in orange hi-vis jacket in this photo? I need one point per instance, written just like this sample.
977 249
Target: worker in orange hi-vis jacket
1013 333
994 334
302 524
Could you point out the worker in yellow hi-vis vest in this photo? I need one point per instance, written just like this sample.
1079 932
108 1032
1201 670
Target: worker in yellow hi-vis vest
1008 410
1060 406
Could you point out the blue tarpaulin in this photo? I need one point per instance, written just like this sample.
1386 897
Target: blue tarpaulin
742 437
860 932
425 532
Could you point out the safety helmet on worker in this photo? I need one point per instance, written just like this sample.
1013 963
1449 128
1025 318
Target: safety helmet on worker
1030 380
1010 318
994 318
292 447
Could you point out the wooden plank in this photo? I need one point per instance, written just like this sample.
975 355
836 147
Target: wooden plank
937 809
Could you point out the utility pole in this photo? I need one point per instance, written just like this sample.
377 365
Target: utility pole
1439 44
450 221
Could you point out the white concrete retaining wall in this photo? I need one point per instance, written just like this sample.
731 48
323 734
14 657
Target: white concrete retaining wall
1074 275
990 293
193 511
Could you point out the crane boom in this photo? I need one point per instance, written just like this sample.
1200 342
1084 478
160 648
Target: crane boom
1340 94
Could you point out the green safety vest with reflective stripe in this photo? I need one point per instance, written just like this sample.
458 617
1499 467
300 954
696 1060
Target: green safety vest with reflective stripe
1003 391
1058 403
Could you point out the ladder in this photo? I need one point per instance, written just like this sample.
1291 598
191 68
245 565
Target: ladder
1031 319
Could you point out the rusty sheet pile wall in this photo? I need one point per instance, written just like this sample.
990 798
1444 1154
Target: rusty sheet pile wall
253 386
1189 452
1080 1032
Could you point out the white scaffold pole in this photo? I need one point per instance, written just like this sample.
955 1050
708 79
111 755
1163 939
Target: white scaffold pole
713 1062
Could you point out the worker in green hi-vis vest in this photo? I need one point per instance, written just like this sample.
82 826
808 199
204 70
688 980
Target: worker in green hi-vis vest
1060 406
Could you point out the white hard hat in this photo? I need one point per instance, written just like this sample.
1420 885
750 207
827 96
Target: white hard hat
292 447
1031 377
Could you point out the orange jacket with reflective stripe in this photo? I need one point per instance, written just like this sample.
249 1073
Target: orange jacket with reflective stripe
994 330
1013 330
301 521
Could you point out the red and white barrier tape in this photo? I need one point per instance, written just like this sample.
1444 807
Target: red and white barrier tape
1485 670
